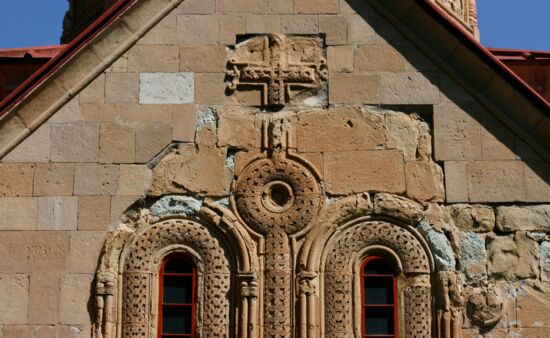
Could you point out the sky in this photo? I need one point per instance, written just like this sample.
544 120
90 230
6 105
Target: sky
517 24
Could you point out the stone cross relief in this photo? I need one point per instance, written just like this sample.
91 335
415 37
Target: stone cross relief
283 67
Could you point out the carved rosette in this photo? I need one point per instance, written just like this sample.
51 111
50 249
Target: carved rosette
277 194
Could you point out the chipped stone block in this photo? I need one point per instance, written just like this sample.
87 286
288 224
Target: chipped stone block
16 179
94 212
473 257
151 139
57 213
503 255
424 181
13 297
398 207
166 88
184 123
18 213
236 129
403 132
528 250
73 303
528 218
53 179
476 218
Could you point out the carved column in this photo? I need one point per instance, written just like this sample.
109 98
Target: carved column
307 292
249 303
449 315
104 326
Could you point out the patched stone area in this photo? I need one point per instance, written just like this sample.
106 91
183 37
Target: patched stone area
166 88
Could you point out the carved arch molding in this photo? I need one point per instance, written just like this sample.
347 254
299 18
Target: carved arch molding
307 293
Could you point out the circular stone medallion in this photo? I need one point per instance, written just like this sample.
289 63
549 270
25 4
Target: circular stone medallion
281 194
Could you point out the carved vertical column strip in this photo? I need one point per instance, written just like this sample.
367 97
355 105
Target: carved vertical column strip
417 311
249 297
307 289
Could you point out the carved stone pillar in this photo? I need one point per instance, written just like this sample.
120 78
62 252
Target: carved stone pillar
105 324
249 304
307 293
449 314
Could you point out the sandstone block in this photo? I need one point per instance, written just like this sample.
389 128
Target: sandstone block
236 129
335 28
409 88
76 142
424 181
341 129
457 134
53 179
545 260
151 139
43 298
354 88
18 213
528 250
359 30
210 88
349 172
300 24
121 87
14 298
119 204
203 59
403 132
473 217
242 6
130 114
537 176
495 181
199 29
231 26
166 88
398 207
503 257
73 303
165 32
94 92
184 123
316 7
281 6
533 307
456 181
498 142
16 179
42 97
69 113
145 58
94 212
17 331
117 143
340 59
197 7
35 148
378 57
528 218
96 179
85 249
256 24
57 213
133 179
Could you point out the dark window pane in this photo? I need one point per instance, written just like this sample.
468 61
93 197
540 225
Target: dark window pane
176 319
178 265
378 267
379 320
378 290
178 289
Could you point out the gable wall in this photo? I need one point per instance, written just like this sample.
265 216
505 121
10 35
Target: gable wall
77 173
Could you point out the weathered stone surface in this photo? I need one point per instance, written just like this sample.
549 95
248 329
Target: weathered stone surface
398 207
35 148
14 298
545 260
242 6
408 88
117 143
76 142
53 179
197 7
57 213
210 88
18 213
127 113
198 29
165 32
473 217
335 28
43 298
85 248
354 88
119 204
184 123
424 181
456 181
533 308
96 179
281 6
166 88
94 212
69 113
341 129
121 87
528 251
300 24
73 303
444 255
527 218
495 181
145 58
340 59
203 59
316 7
262 24
237 129
133 179
359 171
94 92
403 132
231 26
378 58
16 179
151 139
360 31
537 176
473 257
503 256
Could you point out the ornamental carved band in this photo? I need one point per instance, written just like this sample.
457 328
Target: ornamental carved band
339 278
141 270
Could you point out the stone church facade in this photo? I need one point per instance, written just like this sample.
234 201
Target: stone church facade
278 146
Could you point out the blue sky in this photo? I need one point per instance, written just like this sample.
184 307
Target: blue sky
520 24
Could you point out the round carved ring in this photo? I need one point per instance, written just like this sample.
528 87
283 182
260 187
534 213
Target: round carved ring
282 193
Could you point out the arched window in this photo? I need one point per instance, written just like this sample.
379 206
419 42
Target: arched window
379 298
178 279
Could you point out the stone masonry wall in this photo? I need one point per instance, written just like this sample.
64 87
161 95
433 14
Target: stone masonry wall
161 111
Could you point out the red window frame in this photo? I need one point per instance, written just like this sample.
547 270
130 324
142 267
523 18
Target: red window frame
187 260
392 278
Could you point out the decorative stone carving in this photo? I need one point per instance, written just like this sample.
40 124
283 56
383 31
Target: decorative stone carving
283 67
485 305
418 319
449 314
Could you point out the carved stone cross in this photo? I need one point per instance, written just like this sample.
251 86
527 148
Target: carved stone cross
285 65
